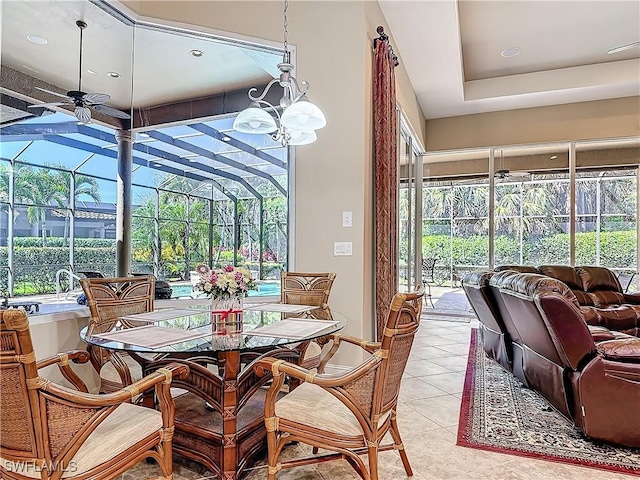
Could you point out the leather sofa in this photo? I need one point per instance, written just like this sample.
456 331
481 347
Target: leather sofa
599 294
538 323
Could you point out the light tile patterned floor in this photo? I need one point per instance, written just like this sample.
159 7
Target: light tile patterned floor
428 418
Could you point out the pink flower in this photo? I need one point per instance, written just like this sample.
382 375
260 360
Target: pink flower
229 268
202 269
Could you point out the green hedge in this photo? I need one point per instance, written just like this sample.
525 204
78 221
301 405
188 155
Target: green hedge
63 242
617 249
36 267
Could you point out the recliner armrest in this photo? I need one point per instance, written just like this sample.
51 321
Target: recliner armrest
624 350
600 333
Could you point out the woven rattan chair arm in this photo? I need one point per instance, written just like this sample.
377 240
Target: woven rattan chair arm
126 394
76 356
368 346
322 380
62 361
338 338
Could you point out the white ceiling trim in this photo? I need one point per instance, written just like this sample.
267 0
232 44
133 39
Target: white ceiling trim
615 79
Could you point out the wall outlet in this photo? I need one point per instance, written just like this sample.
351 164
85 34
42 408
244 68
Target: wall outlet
342 248
347 219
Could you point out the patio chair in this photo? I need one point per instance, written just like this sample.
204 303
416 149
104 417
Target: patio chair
50 432
108 300
428 270
626 280
349 413
297 288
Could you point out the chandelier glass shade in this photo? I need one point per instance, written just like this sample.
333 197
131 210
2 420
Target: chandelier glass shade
299 119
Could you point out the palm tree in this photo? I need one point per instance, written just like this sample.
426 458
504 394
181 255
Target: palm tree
84 185
39 187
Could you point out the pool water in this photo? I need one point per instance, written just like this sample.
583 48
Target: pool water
264 289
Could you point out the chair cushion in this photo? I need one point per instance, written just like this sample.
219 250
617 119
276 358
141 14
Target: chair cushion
627 349
312 405
605 298
108 371
564 273
124 427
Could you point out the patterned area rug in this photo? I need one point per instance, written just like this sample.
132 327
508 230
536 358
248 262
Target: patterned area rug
499 415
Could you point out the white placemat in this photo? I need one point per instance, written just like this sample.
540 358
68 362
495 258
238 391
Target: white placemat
160 315
278 307
152 336
292 328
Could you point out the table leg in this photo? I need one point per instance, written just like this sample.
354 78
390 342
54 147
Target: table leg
230 363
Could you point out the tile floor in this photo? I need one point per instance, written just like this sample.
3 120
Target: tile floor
428 418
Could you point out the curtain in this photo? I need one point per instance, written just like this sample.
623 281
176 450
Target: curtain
385 126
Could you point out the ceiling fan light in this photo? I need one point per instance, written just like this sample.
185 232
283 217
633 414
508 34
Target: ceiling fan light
254 120
301 137
303 115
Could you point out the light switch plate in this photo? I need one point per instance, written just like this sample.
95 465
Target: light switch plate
347 219
342 249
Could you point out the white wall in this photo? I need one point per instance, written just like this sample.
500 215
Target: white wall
618 117
59 336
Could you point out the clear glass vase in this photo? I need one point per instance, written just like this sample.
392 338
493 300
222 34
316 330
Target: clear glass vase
226 315
226 303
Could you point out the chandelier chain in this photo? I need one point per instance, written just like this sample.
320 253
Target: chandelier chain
286 23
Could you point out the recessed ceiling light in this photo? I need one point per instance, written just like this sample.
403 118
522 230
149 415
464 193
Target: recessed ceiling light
91 72
226 139
622 48
157 164
510 52
37 39
196 53
553 157
144 135
114 74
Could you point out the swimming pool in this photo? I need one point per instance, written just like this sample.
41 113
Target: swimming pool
264 289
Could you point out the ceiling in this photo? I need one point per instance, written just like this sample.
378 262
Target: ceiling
450 49
184 130
111 44
452 52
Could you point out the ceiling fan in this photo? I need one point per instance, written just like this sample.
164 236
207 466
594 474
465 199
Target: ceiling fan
84 102
504 174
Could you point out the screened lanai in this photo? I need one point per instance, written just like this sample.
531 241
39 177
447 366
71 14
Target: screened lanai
201 193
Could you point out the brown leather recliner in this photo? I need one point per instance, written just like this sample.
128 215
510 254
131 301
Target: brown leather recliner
517 352
612 307
597 386
517 268
495 338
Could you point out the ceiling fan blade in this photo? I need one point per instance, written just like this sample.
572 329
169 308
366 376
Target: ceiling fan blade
52 93
45 105
111 111
95 98
83 114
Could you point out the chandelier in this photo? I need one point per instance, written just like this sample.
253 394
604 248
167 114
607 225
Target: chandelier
299 119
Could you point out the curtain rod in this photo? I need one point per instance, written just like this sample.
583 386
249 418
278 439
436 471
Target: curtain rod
385 38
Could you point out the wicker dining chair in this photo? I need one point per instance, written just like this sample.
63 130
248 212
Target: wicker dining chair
348 413
109 299
49 432
298 288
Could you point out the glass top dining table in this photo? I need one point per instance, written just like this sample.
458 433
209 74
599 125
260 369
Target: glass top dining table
251 330
219 417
